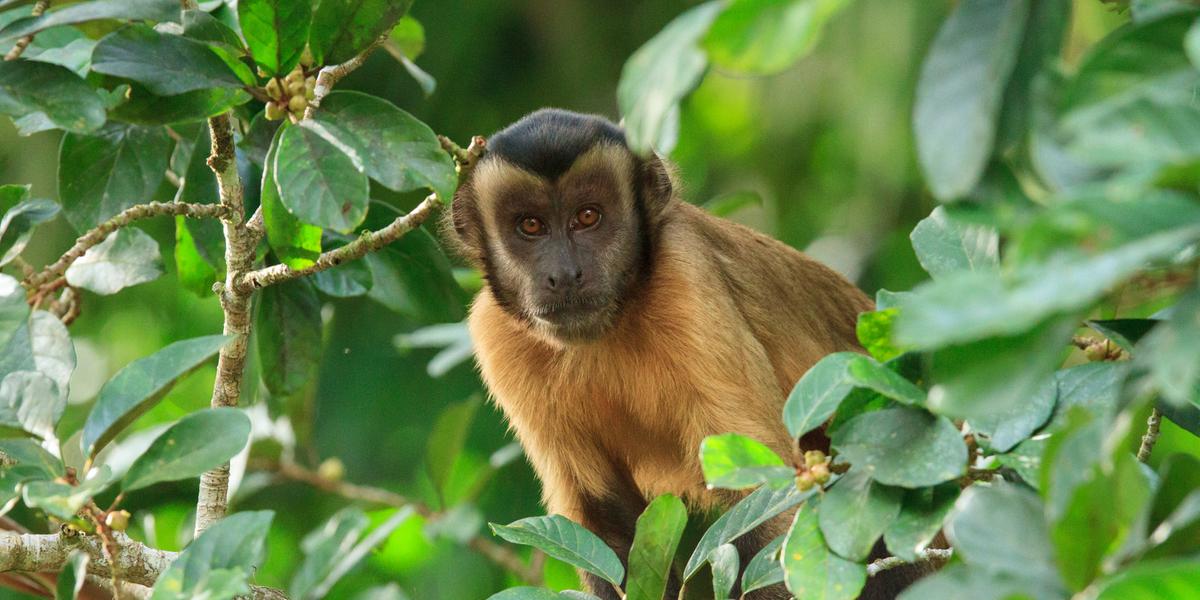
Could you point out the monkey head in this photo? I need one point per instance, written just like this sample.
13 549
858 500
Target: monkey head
560 216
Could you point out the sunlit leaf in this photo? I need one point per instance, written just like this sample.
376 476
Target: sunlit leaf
63 500
810 569
725 565
767 36
567 541
753 510
737 462
343 28
16 227
318 182
128 256
219 563
275 31
200 441
944 245
655 541
324 546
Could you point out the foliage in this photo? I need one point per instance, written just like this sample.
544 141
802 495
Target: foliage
1066 180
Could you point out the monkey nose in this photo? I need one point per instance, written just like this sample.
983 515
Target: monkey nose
565 279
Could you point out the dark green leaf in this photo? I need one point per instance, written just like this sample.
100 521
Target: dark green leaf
855 512
1009 425
141 384
165 64
128 256
724 562
200 441
16 227
73 576
447 439
1153 580
349 279
1124 332
199 25
659 75
905 447
1000 528
1094 386
412 277
818 394
220 562
297 244
764 569
867 373
767 36
921 516
343 28
567 541
959 581
42 96
144 108
1173 518
324 547
1187 417
132 10
944 245
1045 31
655 541
753 510
1172 353
276 32
811 570
317 181
736 462
395 148
289 335
29 460
960 90
125 165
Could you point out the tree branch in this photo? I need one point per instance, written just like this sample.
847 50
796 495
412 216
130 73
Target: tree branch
240 243
39 7
891 562
1151 436
122 219
500 555
328 76
137 563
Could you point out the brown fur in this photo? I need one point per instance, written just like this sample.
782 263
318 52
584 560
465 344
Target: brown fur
718 327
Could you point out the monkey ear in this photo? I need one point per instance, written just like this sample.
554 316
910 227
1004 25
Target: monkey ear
655 185
460 224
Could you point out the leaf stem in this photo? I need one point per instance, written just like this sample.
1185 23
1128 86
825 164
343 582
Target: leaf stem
1151 436
328 76
891 562
39 8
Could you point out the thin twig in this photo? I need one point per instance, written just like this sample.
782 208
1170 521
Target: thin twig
891 562
39 7
500 555
1151 436
330 75
125 217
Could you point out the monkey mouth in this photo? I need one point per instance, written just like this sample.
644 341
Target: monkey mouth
575 319
569 309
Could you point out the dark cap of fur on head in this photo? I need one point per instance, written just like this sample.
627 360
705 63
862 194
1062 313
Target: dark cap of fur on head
548 141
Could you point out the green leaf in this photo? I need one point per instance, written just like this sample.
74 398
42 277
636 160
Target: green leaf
355 555
201 26
317 181
811 570
724 561
200 441
867 373
818 394
1174 579
144 108
289 335
199 243
297 244
960 90
447 439
128 256
219 563
855 512
41 96
736 462
1045 31
390 591
14 310
409 36
72 578
728 204
30 460
131 10
874 331
567 541
764 37
655 541
906 447
1173 517
140 385
764 569
125 165
753 510
525 593
921 516
166 64
659 74
276 32
32 402
16 227
958 581
347 280
1009 425
1000 528
396 149
1123 332
194 271
324 547
1172 354
62 500
412 277
944 245
343 28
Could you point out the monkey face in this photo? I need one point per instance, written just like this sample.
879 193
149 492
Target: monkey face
561 253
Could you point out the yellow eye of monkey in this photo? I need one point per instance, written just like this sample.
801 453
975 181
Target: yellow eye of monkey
587 217
532 226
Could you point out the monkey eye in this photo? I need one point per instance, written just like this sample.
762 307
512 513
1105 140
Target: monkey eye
587 217
532 226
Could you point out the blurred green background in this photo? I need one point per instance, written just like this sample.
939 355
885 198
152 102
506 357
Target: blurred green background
826 146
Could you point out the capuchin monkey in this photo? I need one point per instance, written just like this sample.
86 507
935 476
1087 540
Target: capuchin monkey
620 325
